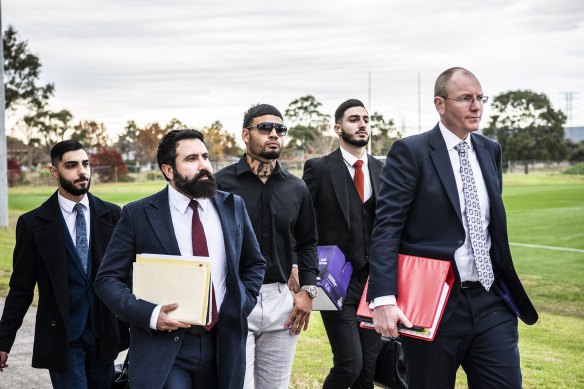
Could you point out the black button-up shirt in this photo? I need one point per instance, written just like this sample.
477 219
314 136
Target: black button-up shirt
283 219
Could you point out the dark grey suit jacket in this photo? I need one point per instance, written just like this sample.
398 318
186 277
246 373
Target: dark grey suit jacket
146 227
40 258
326 178
418 213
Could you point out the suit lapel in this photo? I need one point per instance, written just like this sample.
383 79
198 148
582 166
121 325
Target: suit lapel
225 209
338 171
158 214
444 168
487 166
374 173
47 236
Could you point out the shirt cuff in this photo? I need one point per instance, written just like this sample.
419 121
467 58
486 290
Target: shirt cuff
154 317
382 300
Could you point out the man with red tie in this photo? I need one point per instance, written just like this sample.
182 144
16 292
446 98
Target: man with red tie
343 186
188 217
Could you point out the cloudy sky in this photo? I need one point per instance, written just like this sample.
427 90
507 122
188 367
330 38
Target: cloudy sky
201 61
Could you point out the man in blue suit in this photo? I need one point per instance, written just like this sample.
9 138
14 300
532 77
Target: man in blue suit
59 247
165 352
440 197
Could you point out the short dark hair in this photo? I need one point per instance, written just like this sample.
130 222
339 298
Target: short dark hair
166 152
441 85
58 150
259 110
340 112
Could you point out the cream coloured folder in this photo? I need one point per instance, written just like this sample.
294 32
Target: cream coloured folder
167 279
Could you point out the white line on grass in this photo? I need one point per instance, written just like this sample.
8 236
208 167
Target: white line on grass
538 246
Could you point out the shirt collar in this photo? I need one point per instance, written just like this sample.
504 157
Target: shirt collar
351 159
67 205
181 202
451 139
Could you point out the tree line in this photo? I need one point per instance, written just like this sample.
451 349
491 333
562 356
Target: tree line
522 121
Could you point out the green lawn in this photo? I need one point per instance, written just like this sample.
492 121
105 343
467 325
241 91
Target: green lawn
542 210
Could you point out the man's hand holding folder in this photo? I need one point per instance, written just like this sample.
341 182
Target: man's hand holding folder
167 323
387 319
424 285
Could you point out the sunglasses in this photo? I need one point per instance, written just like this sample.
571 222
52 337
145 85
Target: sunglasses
267 127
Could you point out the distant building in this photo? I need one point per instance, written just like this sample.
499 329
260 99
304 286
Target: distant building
575 134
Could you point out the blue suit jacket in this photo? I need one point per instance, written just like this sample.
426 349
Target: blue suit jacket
146 226
418 213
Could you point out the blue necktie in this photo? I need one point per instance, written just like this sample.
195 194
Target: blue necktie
81 244
473 217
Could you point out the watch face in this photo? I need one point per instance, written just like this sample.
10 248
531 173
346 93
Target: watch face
311 290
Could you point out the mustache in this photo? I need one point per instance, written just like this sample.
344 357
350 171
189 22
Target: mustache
203 173
81 179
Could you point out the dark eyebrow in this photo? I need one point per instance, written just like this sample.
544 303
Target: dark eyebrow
358 116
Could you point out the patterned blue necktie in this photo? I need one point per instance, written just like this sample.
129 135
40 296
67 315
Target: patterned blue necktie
473 217
81 244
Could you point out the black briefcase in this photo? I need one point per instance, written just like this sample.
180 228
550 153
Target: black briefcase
121 380
390 370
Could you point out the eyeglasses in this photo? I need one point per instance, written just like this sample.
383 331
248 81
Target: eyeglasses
468 99
267 127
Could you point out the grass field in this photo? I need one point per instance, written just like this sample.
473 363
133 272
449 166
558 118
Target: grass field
542 210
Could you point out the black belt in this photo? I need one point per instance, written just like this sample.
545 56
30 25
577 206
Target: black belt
470 284
197 330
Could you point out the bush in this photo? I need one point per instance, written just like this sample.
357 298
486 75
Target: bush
110 166
14 172
575 169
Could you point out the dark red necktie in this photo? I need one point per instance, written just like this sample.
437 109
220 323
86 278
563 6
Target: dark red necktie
200 249
359 179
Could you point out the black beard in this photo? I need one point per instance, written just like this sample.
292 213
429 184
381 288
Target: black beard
69 186
270 154
354 142
195 188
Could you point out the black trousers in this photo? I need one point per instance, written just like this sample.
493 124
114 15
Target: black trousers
354 349
480 335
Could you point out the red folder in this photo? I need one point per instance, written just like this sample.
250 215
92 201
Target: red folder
423 286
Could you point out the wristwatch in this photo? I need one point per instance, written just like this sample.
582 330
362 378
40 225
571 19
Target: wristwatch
310 289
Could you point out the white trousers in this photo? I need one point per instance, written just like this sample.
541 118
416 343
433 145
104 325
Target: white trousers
270 347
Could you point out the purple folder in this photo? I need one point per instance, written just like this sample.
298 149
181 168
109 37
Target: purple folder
334 274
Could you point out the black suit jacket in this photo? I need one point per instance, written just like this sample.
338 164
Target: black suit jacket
418 213
146 227
326 178
40 258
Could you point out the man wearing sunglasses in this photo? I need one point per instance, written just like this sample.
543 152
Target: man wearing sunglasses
344 187
281 211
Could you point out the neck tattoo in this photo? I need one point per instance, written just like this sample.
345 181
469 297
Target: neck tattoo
260 168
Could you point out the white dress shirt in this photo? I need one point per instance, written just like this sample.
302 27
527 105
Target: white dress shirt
182 216
350 160
70 215
463 256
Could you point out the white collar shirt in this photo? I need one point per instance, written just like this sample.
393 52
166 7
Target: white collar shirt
350 160
69 215
463 255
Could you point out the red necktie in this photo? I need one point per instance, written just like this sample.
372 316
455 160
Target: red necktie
200 249
359 179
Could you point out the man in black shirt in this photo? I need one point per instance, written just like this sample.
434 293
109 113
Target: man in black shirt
282 214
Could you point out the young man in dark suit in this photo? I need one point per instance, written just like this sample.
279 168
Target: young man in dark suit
59 247
188 217
440 197
344 187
